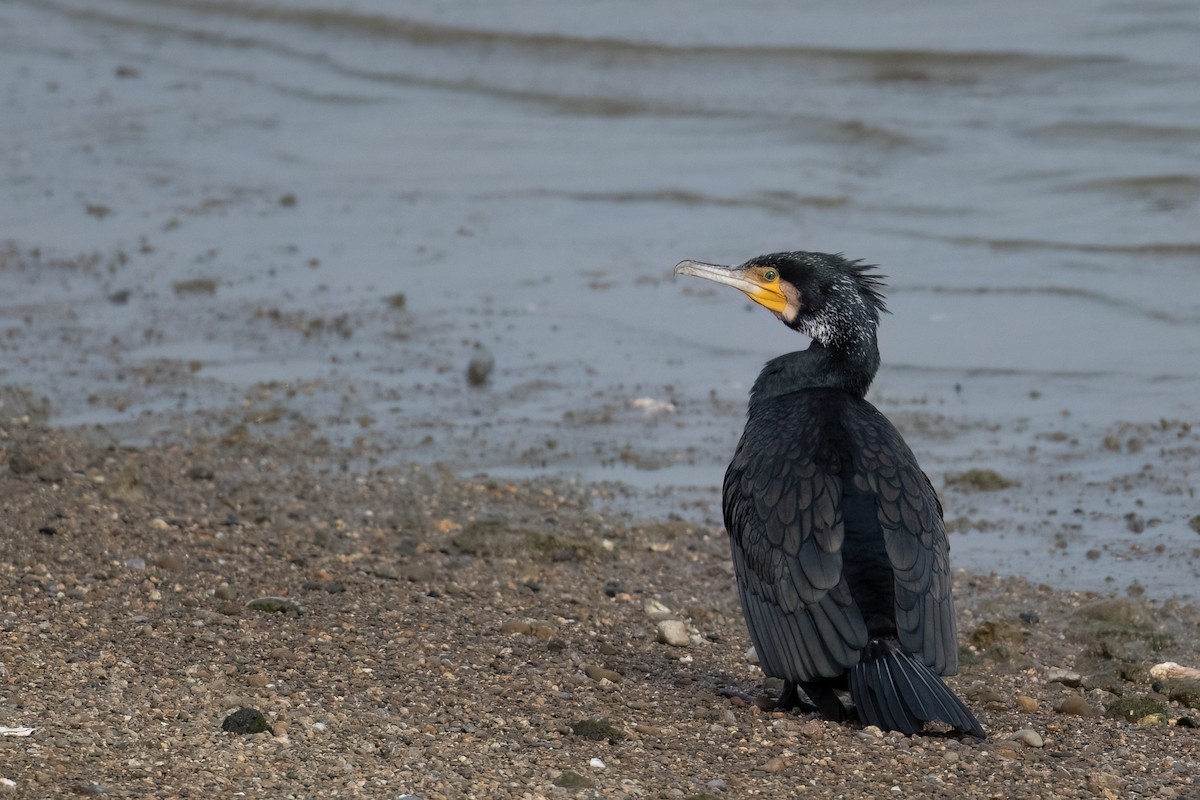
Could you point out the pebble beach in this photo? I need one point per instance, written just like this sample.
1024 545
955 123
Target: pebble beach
404 632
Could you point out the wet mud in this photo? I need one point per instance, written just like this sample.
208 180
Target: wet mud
213 210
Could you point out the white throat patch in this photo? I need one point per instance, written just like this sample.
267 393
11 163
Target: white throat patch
837 323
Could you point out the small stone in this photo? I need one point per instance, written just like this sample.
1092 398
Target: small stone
595 729
283 654
479 368
541 630
1184 692
716 785
1065 677
516 626
598 673
159 524
813 729
1134 708
1105 681
1028 737
201 472
774 765
275 605
751 655
979 480
570 779
1027 703
1106 784
990 698
246 721
999 639
170 562
656 611
1077 706
674 633
225 592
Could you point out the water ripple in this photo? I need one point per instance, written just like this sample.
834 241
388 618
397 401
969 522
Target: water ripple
1074 292
1160 249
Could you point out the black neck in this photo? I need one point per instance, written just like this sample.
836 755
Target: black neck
849 367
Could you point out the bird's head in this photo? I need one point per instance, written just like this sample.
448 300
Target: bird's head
828 298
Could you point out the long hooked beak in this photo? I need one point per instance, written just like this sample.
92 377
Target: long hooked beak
746 279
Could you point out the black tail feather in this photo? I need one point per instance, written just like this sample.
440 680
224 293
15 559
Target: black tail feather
896 692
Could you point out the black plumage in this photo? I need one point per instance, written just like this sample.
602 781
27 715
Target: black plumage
838 544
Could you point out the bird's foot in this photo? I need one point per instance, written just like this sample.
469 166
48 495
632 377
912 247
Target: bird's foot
789 700
825 700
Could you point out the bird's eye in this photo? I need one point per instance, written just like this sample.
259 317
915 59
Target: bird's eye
770 275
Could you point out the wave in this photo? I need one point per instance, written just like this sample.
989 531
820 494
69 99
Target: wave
417 73
1160 249
775 201
782 202
1167 192
886 65
1074 292
422 32
1117 131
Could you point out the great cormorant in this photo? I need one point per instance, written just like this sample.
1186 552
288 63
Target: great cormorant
841 556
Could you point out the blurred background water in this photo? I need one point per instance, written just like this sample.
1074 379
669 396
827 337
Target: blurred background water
212 204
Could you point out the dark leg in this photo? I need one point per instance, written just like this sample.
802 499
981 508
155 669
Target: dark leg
789 699
826 700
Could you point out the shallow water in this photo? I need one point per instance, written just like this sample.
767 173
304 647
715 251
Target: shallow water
527 175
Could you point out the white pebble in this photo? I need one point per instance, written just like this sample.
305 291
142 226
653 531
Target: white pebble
651 405
656 610
1028 737
596 763
6 731
674 633
1169 669
1064 676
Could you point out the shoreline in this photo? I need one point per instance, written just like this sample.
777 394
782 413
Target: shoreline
464 638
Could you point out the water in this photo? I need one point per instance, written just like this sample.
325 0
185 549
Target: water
527 175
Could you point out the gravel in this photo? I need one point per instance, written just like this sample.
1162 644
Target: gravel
408 632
